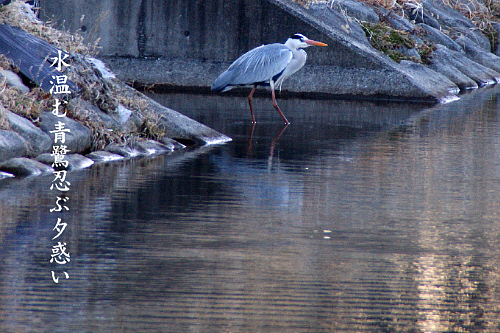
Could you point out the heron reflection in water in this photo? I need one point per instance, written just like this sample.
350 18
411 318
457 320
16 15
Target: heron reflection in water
266 65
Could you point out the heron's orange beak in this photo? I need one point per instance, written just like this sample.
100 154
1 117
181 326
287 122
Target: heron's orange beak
313 42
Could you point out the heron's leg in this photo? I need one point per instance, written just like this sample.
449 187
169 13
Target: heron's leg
250 104
250 137
275 104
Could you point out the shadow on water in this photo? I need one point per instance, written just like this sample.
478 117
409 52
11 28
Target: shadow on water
358 217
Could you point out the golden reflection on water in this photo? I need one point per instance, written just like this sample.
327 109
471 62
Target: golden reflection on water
431 294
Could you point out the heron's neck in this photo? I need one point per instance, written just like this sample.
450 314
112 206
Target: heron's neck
291 44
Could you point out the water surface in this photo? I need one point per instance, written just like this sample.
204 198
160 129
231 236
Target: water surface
358 217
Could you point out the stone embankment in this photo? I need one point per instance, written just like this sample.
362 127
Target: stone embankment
103 119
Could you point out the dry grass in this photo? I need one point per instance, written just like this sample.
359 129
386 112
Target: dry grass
27 105
93 87
6 63
483 13
101 134
31 105
151 127
19 14
4 122
106 95
306 3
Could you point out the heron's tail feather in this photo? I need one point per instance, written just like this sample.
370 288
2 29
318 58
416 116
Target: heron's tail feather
222 83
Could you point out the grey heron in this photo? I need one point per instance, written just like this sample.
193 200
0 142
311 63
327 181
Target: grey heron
266 65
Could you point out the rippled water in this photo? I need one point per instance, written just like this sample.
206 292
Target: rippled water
358 217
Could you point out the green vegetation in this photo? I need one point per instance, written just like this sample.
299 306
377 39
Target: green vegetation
483 13
390 41
425 51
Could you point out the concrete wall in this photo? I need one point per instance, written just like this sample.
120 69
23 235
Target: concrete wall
215 30
190 42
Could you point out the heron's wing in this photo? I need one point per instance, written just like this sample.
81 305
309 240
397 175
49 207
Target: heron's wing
257 65
260 64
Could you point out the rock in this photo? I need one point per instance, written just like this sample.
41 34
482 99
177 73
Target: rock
22 166
78 138
171 143
477 54
122 120
477 72
75 161
38 141
150 147
357 10
435 36
4 175
473 35
12 145
453 74
139 148
396 21
409 53
122 150
349 26
420 14
417 39
175 124
103 156
102 68
445 15
432 76
496 26
451 20
14 80
123 113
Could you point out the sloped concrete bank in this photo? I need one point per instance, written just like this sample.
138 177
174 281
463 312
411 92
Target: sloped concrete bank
26 149
188 43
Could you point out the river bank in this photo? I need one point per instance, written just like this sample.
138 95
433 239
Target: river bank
80 106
